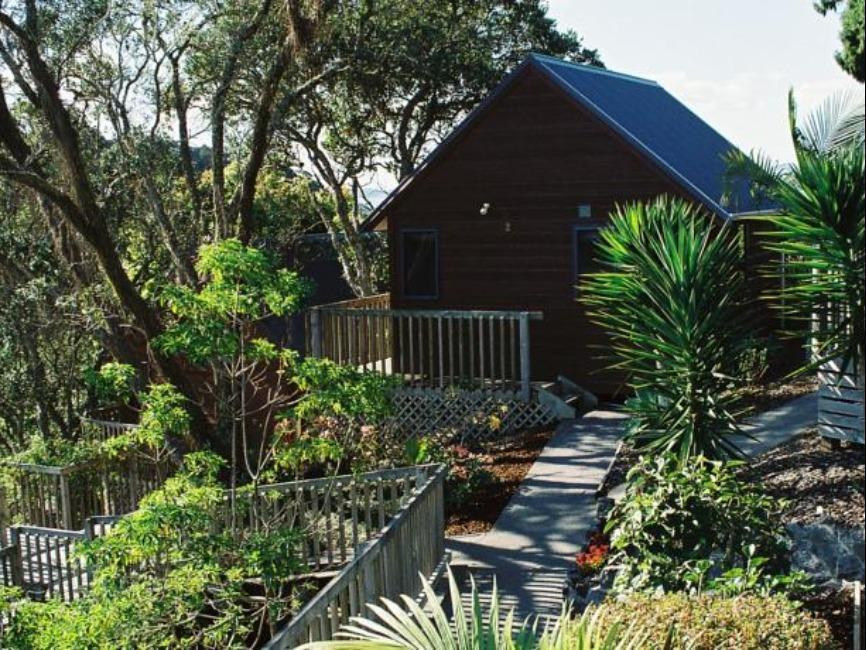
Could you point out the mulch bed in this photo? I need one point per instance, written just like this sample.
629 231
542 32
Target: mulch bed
508 459
821 483
762 397
836 606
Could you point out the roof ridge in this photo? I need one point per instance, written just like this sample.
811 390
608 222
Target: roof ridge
586 67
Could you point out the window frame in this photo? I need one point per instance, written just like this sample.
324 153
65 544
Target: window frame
576 230
427 230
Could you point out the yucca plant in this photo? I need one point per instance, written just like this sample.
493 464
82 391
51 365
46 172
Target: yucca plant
672 299
407 626
818 228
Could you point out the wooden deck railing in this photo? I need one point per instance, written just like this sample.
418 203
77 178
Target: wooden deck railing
487 350
64 496
340 517
388 565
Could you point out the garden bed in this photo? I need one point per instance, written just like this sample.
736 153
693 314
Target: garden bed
762 397
822 486
508 460
810 474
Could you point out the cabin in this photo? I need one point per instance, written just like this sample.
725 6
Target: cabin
488 238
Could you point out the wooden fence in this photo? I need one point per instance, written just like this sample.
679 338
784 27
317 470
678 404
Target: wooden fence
65 496
486 350
388 565
341 519
840 403
42 561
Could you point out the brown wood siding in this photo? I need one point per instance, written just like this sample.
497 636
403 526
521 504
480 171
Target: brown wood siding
534 157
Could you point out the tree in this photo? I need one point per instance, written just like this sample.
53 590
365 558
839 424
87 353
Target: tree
852 58
818 228
416 68
671 298
87 134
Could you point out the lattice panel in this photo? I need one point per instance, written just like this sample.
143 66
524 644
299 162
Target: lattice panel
468 413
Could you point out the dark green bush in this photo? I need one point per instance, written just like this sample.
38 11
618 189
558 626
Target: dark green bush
745 622
681 526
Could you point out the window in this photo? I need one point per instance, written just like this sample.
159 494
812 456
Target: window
420 262
584 211
585 255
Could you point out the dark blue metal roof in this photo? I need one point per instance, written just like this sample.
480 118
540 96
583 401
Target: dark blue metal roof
659 125
647 116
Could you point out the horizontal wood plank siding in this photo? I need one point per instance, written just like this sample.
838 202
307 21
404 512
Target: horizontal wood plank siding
534 157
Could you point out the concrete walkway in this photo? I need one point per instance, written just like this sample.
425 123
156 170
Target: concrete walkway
533 543
778 425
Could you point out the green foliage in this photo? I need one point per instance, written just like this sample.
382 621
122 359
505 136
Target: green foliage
171 575
486 627
818 227
852 57
671 298
112 384
710 622
331 389
820 231
681 525
242 285
163 419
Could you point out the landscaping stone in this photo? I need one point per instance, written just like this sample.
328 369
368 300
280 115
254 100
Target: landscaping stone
828 552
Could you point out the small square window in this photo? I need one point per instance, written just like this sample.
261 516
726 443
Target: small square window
584 211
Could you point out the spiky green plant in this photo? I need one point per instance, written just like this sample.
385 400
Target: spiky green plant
407 626
818 228
672 299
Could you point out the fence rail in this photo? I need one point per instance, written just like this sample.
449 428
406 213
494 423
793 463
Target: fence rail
341 518
388 565
475 349
840 403
65 496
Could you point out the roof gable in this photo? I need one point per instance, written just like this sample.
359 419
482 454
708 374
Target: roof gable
643 113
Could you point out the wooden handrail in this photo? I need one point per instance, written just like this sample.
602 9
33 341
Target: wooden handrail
485 350
315 622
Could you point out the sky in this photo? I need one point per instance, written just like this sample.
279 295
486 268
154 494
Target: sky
730 61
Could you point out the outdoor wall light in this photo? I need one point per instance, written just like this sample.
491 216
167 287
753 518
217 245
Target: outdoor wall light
485 208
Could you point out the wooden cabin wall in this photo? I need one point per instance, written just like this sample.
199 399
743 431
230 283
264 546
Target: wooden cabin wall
534 157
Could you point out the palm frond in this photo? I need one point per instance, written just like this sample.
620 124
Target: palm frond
836 123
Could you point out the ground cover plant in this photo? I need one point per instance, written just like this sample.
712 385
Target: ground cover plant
697 527
710 622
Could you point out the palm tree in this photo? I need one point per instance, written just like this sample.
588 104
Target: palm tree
817 227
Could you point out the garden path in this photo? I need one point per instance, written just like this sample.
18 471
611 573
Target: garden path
532 544
778 425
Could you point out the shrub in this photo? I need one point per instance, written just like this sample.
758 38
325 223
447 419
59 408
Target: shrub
671 297
682 525
480 624
745 622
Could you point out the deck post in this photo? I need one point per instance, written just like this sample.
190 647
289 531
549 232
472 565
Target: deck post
65 502
16 563
316 332
524 356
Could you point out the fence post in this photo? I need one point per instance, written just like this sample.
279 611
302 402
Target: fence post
4 515
316 332
15 559
65 502
524 356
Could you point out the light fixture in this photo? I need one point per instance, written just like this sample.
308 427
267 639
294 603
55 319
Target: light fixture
485 208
